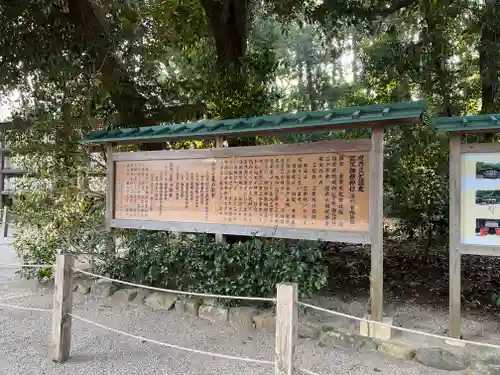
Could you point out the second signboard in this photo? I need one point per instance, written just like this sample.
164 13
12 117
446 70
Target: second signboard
480 199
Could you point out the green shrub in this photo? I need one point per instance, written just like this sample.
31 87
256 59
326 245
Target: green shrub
48 223
196 263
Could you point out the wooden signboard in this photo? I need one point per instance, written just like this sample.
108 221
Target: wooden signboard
311 191
474 211
479 228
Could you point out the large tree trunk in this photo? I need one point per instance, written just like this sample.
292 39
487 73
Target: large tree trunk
355 55
229 21
434 38
311 91
489 57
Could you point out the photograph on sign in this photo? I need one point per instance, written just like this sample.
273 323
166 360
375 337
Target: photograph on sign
488 170
480 199
321 191
487 227
488 197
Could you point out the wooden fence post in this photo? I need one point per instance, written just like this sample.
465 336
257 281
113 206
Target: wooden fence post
286 328
377 223
454 229
63 301
219 238
110 197
5 221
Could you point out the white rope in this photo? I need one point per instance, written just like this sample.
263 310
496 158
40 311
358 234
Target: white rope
14 307
7 265
307 372
399 328
244 359
174 291
17 296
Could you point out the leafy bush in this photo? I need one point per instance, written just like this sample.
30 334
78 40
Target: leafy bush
56 210
53 223
416 181
196 263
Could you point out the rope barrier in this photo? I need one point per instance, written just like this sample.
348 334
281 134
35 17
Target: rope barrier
307 372
174 291
483 344
7 265
14 307
243 359
17 296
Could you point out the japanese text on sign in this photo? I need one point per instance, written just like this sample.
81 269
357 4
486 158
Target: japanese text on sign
327 191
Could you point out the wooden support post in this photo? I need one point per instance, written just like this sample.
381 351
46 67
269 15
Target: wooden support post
63 301
377 223
110 195
286 328
454 283
219 238
2 166
5 221
82 184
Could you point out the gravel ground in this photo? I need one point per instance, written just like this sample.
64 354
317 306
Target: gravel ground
25 339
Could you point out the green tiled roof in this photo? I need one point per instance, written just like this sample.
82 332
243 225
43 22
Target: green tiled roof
362 116
478 123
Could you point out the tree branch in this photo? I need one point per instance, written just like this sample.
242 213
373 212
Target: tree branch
358 10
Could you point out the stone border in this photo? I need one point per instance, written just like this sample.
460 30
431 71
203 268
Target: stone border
481 362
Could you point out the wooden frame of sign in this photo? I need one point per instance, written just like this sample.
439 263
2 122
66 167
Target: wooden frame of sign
145 191
465 239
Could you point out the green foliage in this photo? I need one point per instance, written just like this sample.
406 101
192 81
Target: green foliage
229 91
51 223
61 205
132 61
495 299
196 263
416 180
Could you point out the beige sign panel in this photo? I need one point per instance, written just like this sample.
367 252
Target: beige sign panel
327 191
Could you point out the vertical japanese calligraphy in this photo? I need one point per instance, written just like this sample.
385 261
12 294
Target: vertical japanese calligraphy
327 191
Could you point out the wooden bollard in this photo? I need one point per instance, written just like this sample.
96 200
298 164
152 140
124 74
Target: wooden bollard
286 328
5 221
63 302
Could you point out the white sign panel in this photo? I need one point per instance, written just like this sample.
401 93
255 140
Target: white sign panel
480 199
